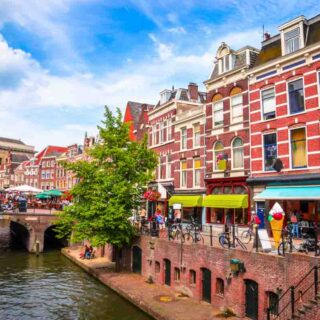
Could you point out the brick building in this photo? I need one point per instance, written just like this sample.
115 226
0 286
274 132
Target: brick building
227 136
176 128
284 119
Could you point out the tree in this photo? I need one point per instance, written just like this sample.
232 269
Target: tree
110 186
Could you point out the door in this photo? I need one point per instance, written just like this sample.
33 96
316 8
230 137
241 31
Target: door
136 259
251 297
206 285
167 272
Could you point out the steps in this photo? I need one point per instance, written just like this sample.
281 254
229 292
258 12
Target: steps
309 311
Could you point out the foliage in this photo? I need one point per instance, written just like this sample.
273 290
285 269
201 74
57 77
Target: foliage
110 186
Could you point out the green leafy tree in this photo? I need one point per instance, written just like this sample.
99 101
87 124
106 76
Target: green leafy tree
110 186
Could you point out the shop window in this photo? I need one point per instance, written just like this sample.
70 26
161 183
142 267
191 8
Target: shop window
268 104
157 267
193 277
196 135
292 40
218 154
197 172
298 148
227 190
183 166
220 287
217 190
176 274
184 138
296 96
217 215
270 150
273 303
237 153
239 190
241 216
218 113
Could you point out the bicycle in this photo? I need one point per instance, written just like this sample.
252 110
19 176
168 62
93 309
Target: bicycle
193 232
227 243
248 234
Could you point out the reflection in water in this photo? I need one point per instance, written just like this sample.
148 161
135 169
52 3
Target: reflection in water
51 287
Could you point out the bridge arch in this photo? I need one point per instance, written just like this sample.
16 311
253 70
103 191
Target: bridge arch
50 239
22 233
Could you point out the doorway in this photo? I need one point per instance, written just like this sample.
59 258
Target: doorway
251 296
206 285
167 272
136 259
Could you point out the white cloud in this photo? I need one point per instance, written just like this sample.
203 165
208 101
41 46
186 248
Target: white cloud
165 51
177 30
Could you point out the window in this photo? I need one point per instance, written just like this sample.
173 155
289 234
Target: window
220 287
218 113
154 135
197 172
298 148
268 104
157 267
196 135
176 274
273 303
193 277
157 133
169 129
168 164
296 96
218 154
161 132
236 109
270 150
163 167
183 166
184 138
226 63
237 153
292 40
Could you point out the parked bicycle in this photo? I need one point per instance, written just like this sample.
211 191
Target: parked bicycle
248 234
228 241
193 232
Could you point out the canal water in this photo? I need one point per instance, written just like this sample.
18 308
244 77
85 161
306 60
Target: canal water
50 287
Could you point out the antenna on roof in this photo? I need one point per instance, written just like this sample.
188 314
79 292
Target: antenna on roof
172 87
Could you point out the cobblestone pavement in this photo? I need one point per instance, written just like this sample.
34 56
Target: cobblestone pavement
161 302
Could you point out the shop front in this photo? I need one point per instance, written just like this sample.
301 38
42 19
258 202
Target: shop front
186 206
227 201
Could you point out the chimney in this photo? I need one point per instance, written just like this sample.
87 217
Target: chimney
193 91
267 36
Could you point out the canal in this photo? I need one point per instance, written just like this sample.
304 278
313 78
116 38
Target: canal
51 287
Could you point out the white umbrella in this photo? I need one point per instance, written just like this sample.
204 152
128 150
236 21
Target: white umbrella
24 188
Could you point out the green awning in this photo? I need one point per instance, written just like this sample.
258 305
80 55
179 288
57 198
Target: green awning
287 193
186 201
226 201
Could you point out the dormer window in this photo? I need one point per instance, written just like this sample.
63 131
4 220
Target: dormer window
292 40
165 96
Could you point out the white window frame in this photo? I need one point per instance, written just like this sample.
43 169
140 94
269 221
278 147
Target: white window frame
232 152
262 107
263 150
231 108
214 113
304 96
168 166
169 129
184 138
290 148
196 135
292 40
214 155
161 132
182 173
194 173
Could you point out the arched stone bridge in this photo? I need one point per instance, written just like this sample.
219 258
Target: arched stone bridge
35 223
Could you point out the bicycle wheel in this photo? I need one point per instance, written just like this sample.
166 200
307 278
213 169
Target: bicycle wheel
179 236
199 238
284 247
224 242
188 238
246 236
241 244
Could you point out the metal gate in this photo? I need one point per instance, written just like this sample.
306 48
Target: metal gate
167 272
206 285
251 299
136 259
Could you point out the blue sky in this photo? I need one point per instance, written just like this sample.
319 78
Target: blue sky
61 61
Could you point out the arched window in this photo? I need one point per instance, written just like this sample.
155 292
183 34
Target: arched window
218 154
237 154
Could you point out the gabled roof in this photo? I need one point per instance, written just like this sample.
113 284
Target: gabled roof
136 109
11 140
53 151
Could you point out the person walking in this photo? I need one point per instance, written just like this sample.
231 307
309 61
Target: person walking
295 225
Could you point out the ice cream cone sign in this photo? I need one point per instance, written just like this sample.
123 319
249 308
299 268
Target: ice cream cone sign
276 217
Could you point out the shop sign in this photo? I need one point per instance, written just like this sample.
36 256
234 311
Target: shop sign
177 206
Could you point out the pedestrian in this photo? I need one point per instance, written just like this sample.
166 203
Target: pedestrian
295 225
177 215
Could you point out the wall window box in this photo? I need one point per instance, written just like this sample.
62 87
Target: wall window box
270 150
298 148
268 104
237 154
296 96
184 138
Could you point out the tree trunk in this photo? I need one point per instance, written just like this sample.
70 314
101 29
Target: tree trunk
118 259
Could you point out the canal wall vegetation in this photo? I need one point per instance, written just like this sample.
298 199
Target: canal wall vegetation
161 302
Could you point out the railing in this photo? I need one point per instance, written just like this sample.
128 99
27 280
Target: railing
290 301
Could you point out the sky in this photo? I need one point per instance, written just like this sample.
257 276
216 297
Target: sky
62 61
